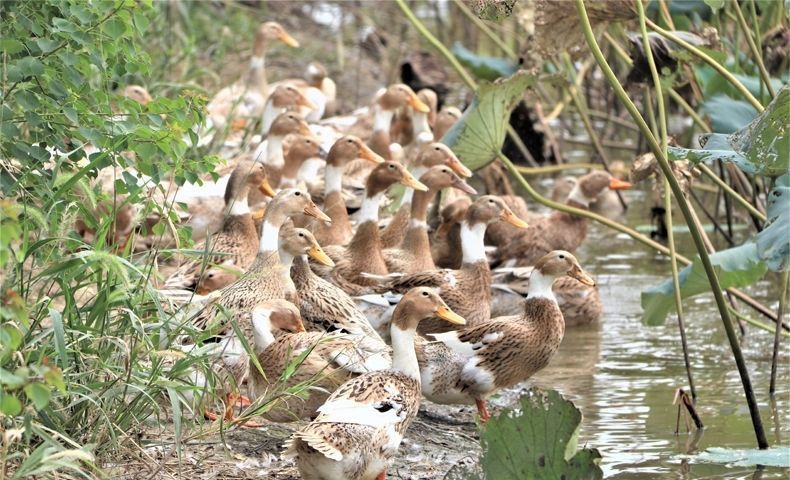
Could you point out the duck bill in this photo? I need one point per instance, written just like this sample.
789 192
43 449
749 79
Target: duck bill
458 167
464 187
411 182
617 184
580 275
511 218
287 39
266 189
450 316
318 254
367 154
258 215
304 129
417 104
238 124
202 291
314 211
299 327
303 101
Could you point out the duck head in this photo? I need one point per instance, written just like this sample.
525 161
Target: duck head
489 209
138 94
441 176
400 95
268 31
247 175
591 186
445 119
299 241
293 201
421 303
436 153
348 148
554 265
274 315
289 97
287 123
388 173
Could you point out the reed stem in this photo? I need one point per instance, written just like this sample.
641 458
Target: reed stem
758 57
780 315
710 271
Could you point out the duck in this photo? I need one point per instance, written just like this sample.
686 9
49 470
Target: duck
606 204
364 253
445 119
558 230
394 97
343 151
300 149
468 289
414 254
501 233
263 279
446 242
580 303
236 244
317 87
470 364
270 151
298 242
408 125
137 93
326 361
245 99
358 430
430 155
285 97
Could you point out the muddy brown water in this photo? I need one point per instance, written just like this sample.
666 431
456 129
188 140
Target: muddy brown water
620 373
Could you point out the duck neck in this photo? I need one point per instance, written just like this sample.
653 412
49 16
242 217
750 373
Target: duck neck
270 112
369 210
408 193
274 152
333 179
261 331
256 75
383 120
473 242
273 220
420 124
290 171
404 358
416 241
576 198
540 286
238 205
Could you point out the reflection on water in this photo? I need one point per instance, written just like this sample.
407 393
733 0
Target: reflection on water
623 375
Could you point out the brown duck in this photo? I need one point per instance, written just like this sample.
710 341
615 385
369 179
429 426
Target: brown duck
497 354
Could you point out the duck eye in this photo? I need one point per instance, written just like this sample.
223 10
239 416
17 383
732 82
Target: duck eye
301 235
424 294
392 167
491 201
436 148
297 193
350 141
562 256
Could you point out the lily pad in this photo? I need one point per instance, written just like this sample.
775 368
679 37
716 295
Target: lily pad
771 457
484 67
773 242
537 440
760 148
478 135
728 115
735 267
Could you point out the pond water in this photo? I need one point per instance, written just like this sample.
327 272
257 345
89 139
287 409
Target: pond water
623 375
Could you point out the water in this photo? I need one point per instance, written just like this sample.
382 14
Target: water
623 375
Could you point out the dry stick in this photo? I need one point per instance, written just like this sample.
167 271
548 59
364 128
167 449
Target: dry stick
710 271
758 57
581 107
780 314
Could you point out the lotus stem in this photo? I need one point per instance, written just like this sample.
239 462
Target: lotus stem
758 57
684 207
545 169
780 315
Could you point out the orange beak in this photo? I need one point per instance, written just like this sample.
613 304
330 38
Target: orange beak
304 129
303 101
259 214
417 104
299 328
287 39
314 211
511 218
318 254
265 188
617 184
464 187
238 124
458 167
410 181
580 275
367 154
448 315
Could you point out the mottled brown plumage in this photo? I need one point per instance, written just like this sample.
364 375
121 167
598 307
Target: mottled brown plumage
446 243
497 354
359 428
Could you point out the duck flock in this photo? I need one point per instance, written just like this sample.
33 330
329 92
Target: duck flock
381 310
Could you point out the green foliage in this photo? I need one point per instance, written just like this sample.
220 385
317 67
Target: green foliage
760 148
477 137
728 115
484 67
735 267
536 441
778 456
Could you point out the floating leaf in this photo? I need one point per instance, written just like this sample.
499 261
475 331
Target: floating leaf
735 267
728 115
487 68
478 135
537 440
760 148
773 242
